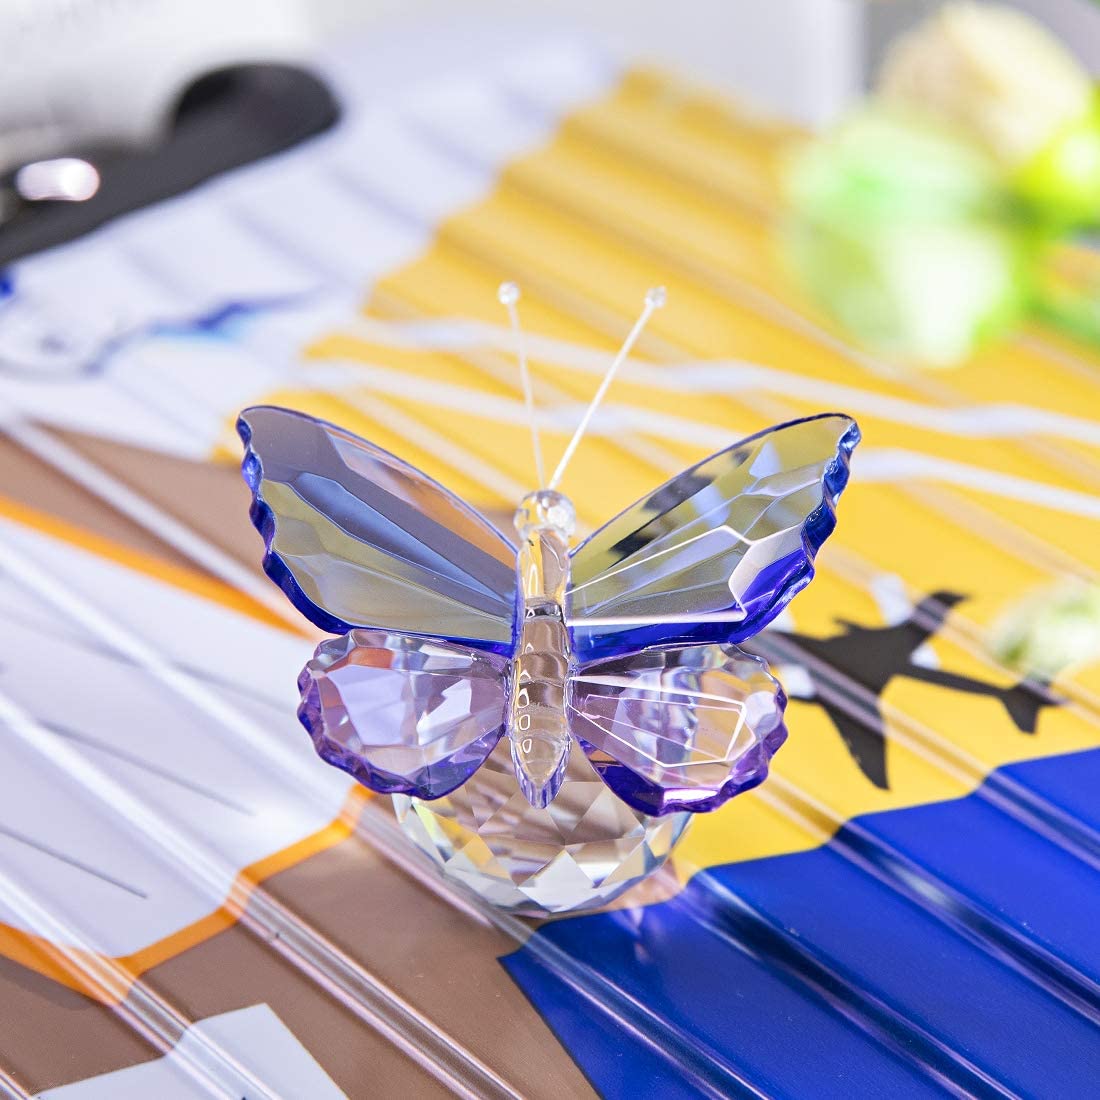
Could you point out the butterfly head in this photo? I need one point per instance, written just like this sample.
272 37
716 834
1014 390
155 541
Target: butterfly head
545 510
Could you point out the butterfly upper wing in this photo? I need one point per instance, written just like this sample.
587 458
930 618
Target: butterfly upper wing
404 715
717 552
357 538
678 728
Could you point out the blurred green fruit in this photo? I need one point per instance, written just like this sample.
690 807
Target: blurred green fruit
1052 630
906 235
1062 181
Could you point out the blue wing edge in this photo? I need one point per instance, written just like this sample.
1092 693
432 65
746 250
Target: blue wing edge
263 519
775 587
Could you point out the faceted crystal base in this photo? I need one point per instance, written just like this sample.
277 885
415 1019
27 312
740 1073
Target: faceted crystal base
580 852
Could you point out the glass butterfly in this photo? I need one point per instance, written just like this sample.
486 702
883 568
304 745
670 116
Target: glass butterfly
450 639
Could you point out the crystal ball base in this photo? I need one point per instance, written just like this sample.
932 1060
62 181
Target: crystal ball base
580 852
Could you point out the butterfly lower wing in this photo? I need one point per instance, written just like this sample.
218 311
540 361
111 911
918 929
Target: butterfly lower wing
679 728
716 553
357 538
404 715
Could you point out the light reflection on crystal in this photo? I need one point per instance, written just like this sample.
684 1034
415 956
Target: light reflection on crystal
580 852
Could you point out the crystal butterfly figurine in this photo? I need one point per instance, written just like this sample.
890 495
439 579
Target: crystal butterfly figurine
449 639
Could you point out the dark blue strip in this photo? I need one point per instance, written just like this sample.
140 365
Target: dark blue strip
818 974
1071 782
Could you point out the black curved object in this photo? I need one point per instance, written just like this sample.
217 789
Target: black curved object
225 119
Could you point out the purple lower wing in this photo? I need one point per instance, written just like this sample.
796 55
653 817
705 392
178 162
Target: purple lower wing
403 715
678 728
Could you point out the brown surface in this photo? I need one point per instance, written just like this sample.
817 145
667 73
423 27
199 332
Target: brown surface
29 481
50 1035
210 498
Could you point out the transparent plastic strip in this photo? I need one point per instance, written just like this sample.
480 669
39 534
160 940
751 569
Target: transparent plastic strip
148 1014
274 924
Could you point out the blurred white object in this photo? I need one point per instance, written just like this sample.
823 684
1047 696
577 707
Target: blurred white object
81 72
66 179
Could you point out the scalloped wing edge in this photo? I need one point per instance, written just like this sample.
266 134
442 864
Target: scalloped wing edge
835 481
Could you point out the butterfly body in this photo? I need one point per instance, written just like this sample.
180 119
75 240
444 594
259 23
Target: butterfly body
451 637
538 727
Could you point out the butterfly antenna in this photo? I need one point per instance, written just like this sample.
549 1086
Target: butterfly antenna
509 295
654 299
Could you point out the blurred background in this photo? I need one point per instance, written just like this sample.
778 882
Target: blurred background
978 122
804 59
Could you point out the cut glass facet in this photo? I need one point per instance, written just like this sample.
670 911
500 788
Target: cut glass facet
580 852
403 715
715 554
357 538
678 728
